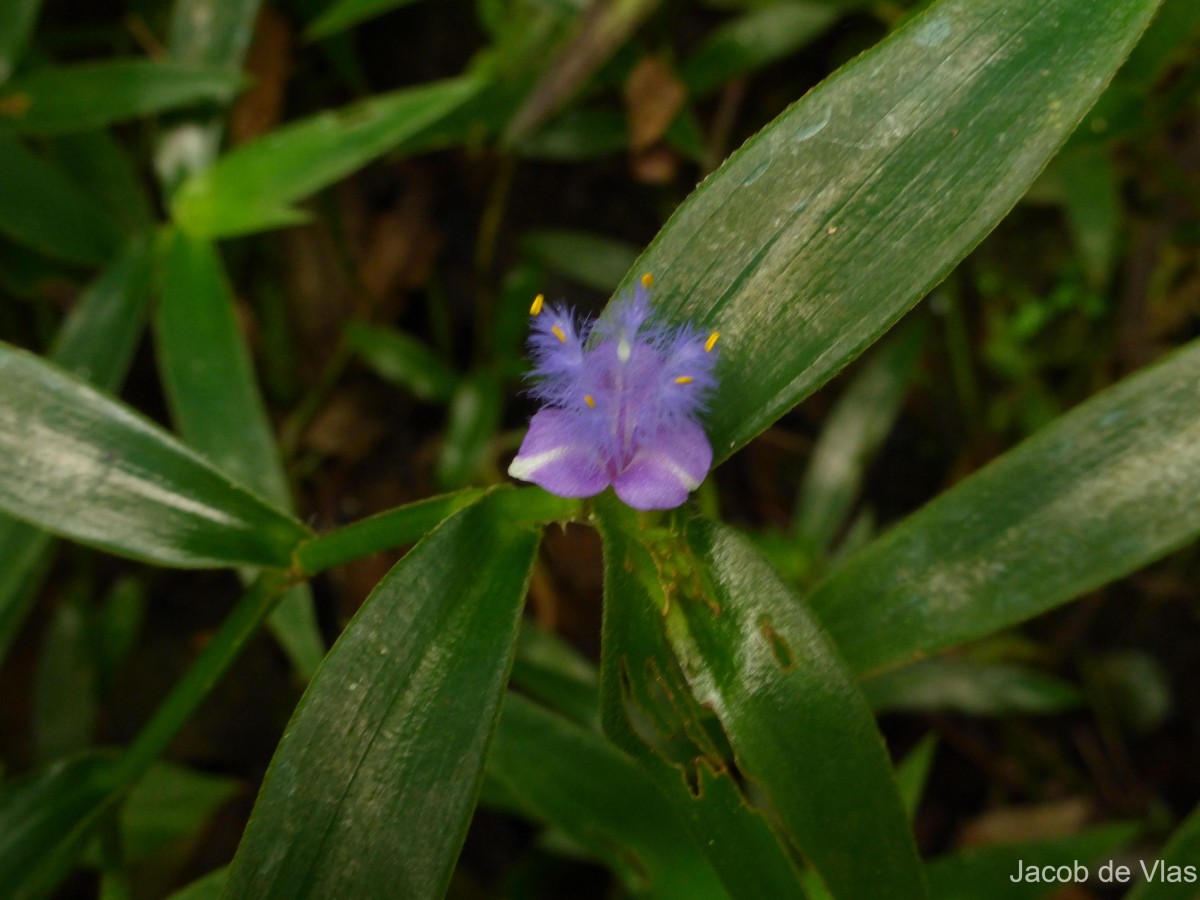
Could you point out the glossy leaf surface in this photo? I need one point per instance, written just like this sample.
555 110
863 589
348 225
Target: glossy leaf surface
1182 851
377 775
96 342
1101 491
801 730
833 221
648 710
84 466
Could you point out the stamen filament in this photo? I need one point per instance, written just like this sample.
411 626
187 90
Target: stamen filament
537 304
712 341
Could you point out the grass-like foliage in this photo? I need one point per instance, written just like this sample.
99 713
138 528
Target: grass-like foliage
286 296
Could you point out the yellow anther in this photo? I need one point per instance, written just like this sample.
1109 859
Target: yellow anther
712 341
558 333
647 280
537 304
590 401
684 379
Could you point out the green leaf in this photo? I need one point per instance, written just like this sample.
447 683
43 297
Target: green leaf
216 405
913 772
16 24
648 710
65 688
552 671
832 222
86 467
851 436
982 689
590 259
204 34
42 208
1092 192
208 887
1103 490
1182 851
403 360
752 41
98 162
170 803
473 420
571 778
801 731
342 14
377 775
44 818
985 873
96 342
92 95
254 186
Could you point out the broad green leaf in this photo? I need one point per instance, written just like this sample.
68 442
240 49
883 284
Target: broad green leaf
96 342
403 360
590 259
850 437
985 873
1103 490
578 135
16 24
756 39
84 466
377 775
342 14
42 208
826 227
92 95
571 778
985 689
44 817
1181 854
254 186
648 710
801 731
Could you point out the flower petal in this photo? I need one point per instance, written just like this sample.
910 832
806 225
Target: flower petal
557 456
666 468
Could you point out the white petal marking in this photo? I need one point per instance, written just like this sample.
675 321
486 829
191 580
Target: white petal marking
524 466
674 469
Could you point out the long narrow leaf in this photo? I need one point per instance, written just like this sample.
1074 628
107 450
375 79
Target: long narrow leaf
377 775
84 466
255 186
215 403
92 95
96 342
834 220
1105 489
801 730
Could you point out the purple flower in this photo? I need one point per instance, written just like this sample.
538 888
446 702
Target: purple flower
621 397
